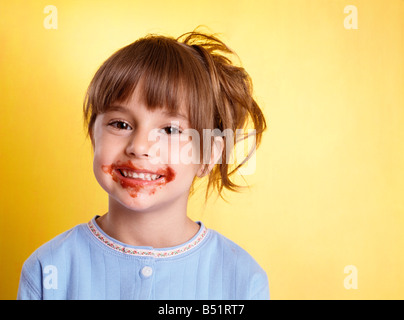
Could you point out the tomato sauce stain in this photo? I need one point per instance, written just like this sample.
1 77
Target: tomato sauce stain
134 186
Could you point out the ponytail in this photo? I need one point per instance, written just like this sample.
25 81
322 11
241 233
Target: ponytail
234 105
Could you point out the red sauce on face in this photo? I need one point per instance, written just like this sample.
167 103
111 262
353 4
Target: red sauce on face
134 186
169 174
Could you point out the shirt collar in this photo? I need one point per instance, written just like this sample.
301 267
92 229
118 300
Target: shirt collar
160 253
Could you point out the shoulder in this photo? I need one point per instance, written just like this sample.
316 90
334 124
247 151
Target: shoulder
60 245
248 274
45 259
229 248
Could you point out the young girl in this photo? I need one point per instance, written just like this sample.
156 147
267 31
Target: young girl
140 109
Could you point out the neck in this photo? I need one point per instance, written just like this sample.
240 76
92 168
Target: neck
163 228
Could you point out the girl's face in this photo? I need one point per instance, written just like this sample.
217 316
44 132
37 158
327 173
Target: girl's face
137 156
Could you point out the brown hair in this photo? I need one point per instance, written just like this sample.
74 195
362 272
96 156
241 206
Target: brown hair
196 70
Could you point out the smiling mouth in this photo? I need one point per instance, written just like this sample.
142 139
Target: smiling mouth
135 179
143 176
130 175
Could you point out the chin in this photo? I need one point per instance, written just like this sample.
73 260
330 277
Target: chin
140 203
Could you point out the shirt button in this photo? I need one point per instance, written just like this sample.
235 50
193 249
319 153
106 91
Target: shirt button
147 271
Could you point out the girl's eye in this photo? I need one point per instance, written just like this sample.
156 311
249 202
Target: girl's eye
121 125
171 130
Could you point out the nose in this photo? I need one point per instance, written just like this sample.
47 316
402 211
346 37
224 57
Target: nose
139 144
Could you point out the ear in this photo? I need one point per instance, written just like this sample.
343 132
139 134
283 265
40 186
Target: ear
216 152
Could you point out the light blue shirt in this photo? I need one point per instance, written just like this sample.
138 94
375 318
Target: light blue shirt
85 263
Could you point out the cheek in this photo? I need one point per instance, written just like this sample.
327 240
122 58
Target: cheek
102 174
107 146
184 175
173 151
183 152
104 154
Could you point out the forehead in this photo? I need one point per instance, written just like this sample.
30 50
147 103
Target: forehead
136 102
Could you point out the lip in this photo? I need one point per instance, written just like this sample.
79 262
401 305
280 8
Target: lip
166 175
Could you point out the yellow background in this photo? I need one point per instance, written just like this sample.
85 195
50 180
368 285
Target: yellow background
328 190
